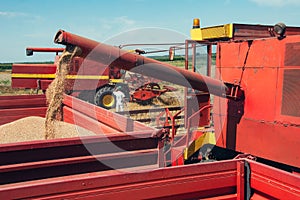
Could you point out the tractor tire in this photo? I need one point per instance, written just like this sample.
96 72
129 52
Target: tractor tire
104 98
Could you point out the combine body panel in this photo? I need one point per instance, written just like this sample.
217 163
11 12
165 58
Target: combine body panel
87 74
268 70
37 76
263 62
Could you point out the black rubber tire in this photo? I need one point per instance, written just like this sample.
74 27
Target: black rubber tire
101 94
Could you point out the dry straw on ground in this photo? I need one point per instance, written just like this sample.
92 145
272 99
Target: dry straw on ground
33 128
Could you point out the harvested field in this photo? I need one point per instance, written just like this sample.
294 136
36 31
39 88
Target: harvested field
33 128
6 89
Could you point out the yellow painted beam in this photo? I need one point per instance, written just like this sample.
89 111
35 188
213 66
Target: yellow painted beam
206 138
213 32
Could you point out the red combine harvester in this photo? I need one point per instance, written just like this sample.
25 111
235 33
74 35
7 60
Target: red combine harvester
242 127
87 80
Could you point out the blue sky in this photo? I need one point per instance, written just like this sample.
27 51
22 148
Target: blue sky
34 22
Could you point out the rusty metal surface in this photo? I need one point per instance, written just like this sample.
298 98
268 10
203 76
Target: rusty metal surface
254 31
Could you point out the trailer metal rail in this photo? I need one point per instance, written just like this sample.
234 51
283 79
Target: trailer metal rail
232 179
18 106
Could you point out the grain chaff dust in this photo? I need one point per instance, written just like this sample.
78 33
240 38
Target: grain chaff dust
55 91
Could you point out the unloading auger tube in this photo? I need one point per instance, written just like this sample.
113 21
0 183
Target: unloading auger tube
113 56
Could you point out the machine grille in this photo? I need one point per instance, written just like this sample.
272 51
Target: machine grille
292 54
291 93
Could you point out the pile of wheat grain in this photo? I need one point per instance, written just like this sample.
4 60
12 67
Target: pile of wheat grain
33 128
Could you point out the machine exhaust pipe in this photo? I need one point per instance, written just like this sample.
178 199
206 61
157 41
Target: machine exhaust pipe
122 59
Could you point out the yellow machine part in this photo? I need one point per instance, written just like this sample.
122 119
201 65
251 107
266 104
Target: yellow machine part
108 100
206 138
213 32
52 76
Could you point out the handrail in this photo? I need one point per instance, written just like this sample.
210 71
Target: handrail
189 121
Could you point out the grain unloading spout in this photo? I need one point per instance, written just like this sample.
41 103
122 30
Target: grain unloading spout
30 50
116 57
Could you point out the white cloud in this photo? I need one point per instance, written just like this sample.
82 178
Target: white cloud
12 14
227 2
122 22
276 3
23 17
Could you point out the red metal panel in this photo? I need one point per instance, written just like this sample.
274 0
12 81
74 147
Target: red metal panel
16 97
273 183
74 117
9 115
35 151
44 84
240 180
76 165
24 83
270 140
262 53
259 79
16 116
72 141
225 197
257 196
75 160
194 181
260 101
22 111
114 120
19 106
23 103
45 49
30 83
34 68
262 131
